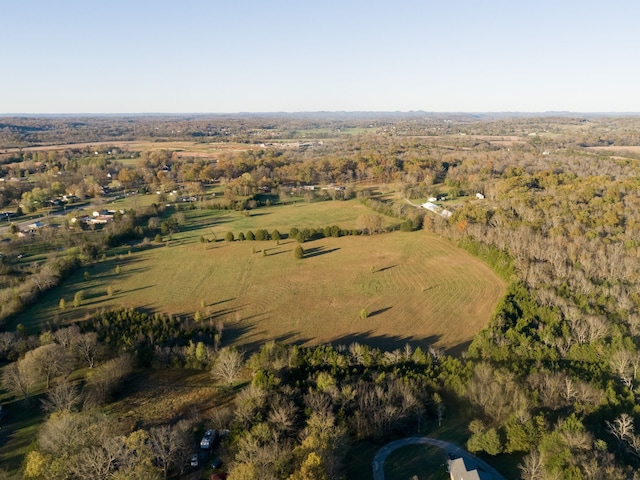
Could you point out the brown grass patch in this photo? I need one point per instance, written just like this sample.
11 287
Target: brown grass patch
424 290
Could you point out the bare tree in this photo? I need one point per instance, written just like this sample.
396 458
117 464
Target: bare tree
282 416
66 336
47 362
104 380
621 365
86 347
532 466
370 223
622 427
64 397
8 342
598 327
97 462
18 379
228 365
170 446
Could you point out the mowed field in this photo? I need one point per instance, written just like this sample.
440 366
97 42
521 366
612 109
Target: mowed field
416 287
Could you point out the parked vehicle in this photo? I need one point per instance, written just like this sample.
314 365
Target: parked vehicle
207 441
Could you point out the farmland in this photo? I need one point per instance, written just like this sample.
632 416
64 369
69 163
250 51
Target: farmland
397 277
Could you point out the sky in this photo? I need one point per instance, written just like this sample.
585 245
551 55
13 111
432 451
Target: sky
214 56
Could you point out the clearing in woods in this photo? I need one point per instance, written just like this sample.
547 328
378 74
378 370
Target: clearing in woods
416 287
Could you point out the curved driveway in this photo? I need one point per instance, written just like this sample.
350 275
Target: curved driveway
449 448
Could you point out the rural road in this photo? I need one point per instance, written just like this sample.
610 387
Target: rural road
449 448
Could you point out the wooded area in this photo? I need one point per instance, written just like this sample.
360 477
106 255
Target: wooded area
550 385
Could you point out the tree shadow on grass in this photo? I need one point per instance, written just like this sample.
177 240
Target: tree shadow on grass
385 268
259 214
379 311
241 330
200 225
317 251
214 244
220 302
290 338
18 431
280 252
458 350
385 342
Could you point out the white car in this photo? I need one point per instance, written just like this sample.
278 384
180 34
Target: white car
207 440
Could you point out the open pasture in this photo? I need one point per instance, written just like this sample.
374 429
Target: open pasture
415 287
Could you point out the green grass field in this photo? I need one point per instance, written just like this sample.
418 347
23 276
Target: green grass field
18 433
421 286
424 461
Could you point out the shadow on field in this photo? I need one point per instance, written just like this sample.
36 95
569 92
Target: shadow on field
385 268
201 225
18 431
106 269
379 311
259 214
386 342
220 301
458 350
131 290
211 315
289 337
233 333
317 251
269 254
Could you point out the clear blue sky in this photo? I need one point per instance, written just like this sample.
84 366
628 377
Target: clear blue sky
134 56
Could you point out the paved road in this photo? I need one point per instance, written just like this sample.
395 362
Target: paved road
450 448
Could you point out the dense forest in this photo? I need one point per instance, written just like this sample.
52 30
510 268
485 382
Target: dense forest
552 380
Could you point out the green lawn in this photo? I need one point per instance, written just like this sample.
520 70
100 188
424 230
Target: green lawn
18 432
425 462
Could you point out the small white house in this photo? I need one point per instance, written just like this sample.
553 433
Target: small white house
463 469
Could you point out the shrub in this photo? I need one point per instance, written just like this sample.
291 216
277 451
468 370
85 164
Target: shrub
78 298
298 252
250 235
406 226
229 237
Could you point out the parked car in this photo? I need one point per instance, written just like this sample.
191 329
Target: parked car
216 463
194 460
207 440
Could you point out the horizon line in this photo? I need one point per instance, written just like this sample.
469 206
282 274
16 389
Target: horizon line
325 112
